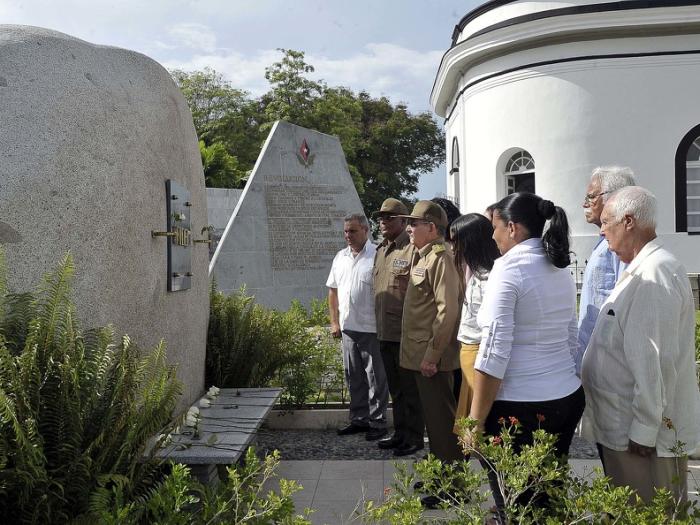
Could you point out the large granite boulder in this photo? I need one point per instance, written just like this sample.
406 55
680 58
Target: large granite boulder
88 137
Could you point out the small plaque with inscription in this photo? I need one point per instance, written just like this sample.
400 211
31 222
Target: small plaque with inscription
179 245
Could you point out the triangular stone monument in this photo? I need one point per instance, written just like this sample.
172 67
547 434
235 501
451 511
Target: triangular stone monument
288 223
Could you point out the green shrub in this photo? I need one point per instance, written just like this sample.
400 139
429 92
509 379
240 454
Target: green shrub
252 346
536 472
318 374
76 410
247 343
242 498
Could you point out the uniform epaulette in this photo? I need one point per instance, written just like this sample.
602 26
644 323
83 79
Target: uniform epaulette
438 248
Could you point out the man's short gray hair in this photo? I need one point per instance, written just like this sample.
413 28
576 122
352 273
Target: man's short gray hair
637 202
359 218
612 178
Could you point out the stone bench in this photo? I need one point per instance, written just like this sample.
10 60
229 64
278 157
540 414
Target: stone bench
225 430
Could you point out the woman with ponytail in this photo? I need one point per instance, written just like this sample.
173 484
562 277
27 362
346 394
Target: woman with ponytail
525 368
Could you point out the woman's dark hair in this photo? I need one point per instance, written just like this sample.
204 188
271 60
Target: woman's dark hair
474 247
451 210
532 211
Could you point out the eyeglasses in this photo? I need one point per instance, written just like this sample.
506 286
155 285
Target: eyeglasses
591 197
413 222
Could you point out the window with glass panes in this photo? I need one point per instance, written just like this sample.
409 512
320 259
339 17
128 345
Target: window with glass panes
520 173
692 173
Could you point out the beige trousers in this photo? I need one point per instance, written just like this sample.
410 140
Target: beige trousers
467 357
645 474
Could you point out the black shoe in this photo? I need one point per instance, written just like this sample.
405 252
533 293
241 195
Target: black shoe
352 428
407 449
375 433
389 442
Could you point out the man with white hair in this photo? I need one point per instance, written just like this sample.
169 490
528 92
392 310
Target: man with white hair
639 369
604 267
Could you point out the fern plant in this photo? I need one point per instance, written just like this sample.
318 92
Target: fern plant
76 409
248 344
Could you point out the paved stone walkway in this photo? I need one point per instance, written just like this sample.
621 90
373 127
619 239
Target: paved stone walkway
336 488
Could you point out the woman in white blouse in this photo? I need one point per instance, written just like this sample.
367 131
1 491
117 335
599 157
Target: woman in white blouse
475 252
525 367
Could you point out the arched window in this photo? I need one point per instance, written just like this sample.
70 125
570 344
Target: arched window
455 156
688 183
454 171
520 173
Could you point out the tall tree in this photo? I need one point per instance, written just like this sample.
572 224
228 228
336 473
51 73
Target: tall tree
226 116
386 147
221 169
292 96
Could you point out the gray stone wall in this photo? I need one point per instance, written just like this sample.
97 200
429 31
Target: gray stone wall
221 203
88 136
288 224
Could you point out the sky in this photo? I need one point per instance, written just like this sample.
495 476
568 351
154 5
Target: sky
388 48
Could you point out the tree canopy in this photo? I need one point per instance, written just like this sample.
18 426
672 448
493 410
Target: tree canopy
387 148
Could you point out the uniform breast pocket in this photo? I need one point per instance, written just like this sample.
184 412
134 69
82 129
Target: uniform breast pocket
418 278
399 280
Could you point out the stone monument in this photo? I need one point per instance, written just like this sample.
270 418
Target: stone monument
89 137
288 224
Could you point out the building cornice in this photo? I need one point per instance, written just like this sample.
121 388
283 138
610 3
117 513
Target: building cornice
543 30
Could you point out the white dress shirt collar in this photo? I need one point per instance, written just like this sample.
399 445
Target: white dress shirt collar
645 252
533 244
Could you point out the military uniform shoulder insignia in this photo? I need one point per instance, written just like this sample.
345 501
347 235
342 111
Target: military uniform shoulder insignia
438 248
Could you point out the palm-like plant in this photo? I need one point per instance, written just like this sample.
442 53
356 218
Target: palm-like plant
76 410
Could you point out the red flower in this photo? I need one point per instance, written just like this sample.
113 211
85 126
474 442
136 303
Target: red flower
501 420
513 420
496 440
540 418
387 491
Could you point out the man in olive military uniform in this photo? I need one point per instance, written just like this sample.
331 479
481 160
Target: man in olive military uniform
429 346
392 266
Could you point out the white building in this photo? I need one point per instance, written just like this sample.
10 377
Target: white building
537 94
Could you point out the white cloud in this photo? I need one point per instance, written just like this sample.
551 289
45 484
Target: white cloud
243 71
193 36
401 74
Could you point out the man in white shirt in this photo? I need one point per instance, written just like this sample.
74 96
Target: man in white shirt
603 268
639 368
351 305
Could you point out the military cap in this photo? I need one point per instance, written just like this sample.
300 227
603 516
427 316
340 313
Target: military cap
391 207
428 211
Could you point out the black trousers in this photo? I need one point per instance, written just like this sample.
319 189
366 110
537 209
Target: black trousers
408 413
560 418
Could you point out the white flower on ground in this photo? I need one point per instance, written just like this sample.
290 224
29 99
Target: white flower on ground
204 403
164 439
191 420
213 392
193 410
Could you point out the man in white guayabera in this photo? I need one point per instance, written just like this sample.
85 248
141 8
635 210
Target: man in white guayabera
351 305
639 368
